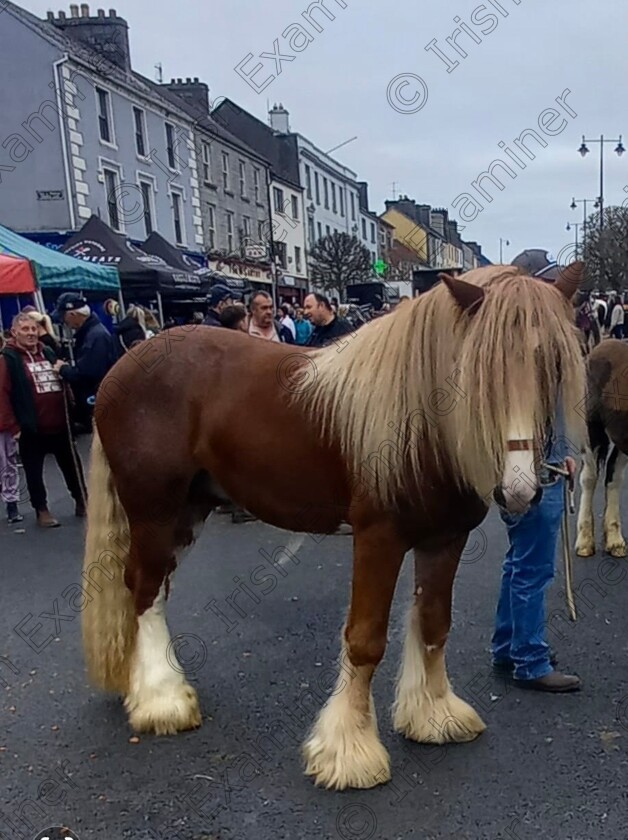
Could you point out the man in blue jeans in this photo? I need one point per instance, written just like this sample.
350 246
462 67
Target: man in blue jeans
518 645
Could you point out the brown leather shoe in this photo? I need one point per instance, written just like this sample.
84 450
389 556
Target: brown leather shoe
554 682
46 520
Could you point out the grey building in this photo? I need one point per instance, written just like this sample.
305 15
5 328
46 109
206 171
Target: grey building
83 133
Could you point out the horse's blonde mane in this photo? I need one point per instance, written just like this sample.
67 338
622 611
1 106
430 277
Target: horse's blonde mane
431 382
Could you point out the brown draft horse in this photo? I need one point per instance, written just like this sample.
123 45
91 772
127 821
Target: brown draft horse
404 430
607 445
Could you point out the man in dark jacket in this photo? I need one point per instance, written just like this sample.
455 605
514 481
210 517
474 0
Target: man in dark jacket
94 352
327 326
219 298
32 410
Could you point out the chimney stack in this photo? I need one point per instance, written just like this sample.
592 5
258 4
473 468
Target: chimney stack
195 93
280 119
108 36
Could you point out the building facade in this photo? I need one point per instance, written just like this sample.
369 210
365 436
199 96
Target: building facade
284 238
89 136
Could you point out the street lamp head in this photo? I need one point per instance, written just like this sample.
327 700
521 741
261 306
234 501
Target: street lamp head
597 203
583 148
573 204
567 226
620 148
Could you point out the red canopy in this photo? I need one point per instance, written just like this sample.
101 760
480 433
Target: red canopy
16 276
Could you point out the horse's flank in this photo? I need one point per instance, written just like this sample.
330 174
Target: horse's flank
398 381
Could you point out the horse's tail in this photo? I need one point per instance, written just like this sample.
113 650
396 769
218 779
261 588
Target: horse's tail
109 619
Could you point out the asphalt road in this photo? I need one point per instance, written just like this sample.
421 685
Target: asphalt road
547 767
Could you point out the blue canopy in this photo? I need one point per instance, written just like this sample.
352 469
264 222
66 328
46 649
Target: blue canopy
54 270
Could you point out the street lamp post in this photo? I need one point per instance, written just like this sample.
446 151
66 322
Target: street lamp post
574 204
502 242
584 151
577 226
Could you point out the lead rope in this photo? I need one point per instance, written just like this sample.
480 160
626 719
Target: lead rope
75 456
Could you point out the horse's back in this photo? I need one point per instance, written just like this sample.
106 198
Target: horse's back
607 391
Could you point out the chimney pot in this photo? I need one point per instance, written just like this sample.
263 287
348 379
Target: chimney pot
101 13
61 15
84 10
50 15
196 78
179 81
112 13
74 10
188 81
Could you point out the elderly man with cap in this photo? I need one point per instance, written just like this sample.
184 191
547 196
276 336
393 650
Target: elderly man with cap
519 647
219 298
94 352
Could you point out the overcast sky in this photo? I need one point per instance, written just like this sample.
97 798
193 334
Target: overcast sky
336 88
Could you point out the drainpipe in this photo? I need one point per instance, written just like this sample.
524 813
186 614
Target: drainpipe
64 140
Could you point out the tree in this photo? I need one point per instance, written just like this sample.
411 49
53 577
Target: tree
338 260
606 250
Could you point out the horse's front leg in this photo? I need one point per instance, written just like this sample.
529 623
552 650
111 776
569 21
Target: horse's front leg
585 540
613 538
343 749
426 709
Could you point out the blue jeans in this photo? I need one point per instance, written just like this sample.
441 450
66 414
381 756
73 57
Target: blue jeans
528 570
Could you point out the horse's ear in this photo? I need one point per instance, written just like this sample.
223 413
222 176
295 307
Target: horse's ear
467 296
570 279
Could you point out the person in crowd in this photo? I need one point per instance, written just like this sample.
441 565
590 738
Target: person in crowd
131 330
262 324
197 318
45 332
235 318
286 321
302 327
33 412
616 325
9 473
94 352
327 326
518 644
219 297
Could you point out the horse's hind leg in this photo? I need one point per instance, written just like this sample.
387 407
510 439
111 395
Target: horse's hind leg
613 538
344 750
585 540
159 698
426 709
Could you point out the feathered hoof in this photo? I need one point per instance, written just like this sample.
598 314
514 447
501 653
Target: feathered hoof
585 549
438 721
175 710
616 549
361 764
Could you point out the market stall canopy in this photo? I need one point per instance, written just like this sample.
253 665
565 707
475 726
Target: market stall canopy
54 270
174 257
141 274
16 276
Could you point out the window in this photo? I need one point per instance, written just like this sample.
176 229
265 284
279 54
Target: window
206 159
295 207
333 198
112 189
177 217
352 207
242 179
308 181
326 192
225 171
147 198
372 231
327 230
246 227
278 199
341 194
211 227
172 163
229 216
310 231
261 231
104 115
363 229
280 251
297 259
256 184
320 230
335 231
139 120
317 188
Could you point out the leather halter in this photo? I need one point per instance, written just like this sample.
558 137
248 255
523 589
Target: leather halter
524 445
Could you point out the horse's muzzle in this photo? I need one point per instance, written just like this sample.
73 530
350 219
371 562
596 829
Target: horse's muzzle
513 504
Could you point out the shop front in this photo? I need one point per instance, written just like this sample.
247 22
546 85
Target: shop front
291 290
255 275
